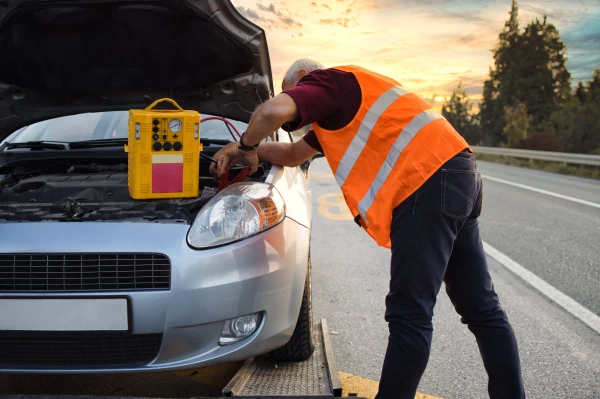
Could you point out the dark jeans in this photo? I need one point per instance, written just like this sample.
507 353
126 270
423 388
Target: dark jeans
435 238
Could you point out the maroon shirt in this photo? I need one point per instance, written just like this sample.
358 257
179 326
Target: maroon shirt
329 97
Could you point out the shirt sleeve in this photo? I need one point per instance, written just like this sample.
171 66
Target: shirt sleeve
315 96
312 140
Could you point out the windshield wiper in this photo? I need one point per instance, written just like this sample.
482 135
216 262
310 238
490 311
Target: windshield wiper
97 143
37 145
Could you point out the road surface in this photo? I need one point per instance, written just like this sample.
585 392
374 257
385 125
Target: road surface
555 238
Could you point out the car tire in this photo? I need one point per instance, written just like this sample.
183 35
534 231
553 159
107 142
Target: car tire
302 344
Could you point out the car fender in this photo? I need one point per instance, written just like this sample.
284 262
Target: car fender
293 186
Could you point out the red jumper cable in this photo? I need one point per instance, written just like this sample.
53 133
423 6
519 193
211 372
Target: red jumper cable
224 182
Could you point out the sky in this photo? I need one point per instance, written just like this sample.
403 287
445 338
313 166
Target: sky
426 45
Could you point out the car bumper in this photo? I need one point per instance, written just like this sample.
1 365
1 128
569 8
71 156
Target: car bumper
264 273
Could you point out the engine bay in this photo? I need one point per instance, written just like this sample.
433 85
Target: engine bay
95 190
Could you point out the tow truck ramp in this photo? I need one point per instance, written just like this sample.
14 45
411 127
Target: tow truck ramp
315 378
264 378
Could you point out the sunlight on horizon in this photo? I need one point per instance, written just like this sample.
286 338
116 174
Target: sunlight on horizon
427 48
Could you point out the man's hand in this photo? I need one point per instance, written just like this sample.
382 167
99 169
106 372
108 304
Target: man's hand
230 155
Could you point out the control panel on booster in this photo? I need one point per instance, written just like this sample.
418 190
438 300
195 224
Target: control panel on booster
166 134
164 150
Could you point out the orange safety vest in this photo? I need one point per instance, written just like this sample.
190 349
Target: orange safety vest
392 146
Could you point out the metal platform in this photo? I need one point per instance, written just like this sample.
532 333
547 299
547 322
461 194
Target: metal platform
265 378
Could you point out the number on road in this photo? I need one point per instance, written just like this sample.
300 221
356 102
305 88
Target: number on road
332 206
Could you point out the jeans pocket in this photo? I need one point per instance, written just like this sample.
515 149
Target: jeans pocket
459 192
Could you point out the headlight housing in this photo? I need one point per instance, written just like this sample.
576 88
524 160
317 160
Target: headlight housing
237 212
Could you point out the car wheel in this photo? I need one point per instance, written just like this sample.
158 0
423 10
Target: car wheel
302 344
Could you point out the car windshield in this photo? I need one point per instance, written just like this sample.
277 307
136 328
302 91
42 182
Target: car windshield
105 126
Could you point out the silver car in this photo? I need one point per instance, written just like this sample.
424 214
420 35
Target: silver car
92 280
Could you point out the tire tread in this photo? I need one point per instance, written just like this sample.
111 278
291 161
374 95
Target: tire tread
302 344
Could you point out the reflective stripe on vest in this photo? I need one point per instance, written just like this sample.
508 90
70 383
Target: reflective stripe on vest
362 136
407 134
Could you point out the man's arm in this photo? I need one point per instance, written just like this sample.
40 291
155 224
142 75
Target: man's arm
269 117
286 154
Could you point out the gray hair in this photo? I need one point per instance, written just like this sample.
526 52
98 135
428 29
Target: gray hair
304 63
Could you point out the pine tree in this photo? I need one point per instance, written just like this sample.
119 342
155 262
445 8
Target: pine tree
458 112
498 91
543 82
594 86
577 123
581 93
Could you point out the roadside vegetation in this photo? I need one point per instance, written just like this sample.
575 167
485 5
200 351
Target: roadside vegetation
528 102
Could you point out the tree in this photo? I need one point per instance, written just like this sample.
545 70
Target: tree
458 112
499 90
594 85
577 123
543 81
530 69
581 93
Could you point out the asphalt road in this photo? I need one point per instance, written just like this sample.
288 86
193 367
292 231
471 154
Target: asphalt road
555 238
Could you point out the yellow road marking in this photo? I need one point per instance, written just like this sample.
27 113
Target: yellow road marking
332 206
366 388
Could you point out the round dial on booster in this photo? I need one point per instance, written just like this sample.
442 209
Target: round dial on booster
175 125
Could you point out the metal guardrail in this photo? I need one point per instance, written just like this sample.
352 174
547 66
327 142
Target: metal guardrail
565 157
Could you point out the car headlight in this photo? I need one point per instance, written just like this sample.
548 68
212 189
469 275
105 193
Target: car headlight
237 212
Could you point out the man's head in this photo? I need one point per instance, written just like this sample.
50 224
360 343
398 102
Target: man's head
298 70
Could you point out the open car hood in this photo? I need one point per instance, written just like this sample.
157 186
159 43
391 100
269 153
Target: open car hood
67 57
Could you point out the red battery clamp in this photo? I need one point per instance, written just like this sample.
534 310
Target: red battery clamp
224 183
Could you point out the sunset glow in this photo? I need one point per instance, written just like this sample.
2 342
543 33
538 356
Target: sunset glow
428 46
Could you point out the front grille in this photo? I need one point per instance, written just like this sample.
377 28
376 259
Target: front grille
84 272
78 351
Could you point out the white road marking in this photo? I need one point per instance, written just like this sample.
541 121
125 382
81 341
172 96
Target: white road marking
539 190
563 300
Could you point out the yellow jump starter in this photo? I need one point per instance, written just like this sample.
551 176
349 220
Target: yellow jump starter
163 152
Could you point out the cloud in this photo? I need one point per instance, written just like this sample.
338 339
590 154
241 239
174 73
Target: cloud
271 8
287 19
572 15
537 10
582 49
461 16
314 4
467 39
333 21
248 12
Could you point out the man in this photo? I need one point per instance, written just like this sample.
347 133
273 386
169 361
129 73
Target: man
411 182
